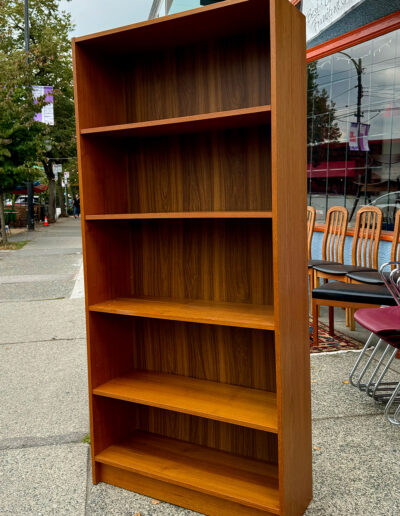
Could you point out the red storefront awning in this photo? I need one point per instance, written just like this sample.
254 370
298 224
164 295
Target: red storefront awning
332 169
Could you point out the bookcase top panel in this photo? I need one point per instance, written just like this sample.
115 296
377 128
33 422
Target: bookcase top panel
224 18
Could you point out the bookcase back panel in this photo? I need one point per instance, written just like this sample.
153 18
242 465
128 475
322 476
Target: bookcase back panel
214 260
213 75
217 171
219 260
120 419
220 75
208 352
210 171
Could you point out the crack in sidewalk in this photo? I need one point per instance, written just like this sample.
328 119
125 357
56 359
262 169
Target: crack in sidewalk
54 339
16 443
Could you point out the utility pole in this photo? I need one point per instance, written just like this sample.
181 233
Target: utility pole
359 114
31 210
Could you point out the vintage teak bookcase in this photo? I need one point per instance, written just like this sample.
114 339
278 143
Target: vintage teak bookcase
192 155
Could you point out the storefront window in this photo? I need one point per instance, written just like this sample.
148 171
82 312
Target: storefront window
354 129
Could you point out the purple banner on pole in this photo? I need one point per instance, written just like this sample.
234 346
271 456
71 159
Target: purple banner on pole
46 115
364 131
353 136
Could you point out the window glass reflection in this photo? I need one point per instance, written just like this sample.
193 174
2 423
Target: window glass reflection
354 129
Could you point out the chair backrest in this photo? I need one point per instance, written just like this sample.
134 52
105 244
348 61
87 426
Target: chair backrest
395 252
335 234
390 274
367 232
310 228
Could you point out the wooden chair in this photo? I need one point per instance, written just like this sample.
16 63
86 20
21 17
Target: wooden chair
333 241
373 277
310 229
366 276
364 253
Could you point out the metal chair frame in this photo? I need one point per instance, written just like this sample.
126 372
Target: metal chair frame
384 392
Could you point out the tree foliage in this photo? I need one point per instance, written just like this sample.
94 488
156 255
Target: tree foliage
50 64
322 123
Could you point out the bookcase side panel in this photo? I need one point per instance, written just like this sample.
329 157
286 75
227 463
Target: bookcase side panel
289 146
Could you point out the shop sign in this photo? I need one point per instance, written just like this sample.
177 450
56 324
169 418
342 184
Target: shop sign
322 13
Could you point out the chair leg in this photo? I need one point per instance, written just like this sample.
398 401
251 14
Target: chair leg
374 389
352 320
371 359
315 308
331 322
367 345
394 419
311 283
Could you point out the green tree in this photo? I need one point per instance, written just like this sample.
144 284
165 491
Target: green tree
322 124
19 133
50 55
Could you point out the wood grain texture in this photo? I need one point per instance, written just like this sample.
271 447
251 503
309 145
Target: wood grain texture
212 260
229 403
202 351
245 117
226 314
239 480
171 493
289 181
181 28
212 76
210 171
220 267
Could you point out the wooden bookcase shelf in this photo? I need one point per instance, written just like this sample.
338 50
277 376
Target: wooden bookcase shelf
192 160
230 403
185 215
197 468
246 117
226 314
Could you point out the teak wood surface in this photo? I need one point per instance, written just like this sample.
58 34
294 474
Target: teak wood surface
223 402
193 184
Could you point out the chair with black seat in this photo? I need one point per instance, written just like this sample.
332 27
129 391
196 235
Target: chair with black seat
332 242
374 277
348 295
384 322
364 252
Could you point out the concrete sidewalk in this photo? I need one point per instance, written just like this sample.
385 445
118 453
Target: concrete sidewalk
44 466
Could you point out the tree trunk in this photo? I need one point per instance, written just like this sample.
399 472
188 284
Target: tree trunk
51 216
61 199
51 213
2 219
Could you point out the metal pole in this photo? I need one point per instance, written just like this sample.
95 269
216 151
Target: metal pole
26 16
31 210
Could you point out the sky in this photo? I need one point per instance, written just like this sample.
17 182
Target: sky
96 15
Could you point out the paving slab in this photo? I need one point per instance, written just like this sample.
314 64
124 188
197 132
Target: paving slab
42 320
46 480
356 467
331 396
44 391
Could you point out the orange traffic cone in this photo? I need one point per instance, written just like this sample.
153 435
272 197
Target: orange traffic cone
45 222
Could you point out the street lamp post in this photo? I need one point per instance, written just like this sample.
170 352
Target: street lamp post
31 211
